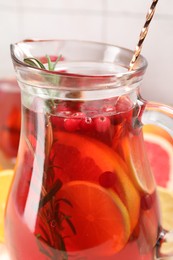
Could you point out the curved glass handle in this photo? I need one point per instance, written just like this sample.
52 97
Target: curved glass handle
162 116
158 114
164 246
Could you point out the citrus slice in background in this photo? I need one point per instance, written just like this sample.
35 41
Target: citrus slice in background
6 177
100 219
166 206
84 158
156 130
138 164
159 146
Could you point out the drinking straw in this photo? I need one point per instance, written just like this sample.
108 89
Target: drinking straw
143 34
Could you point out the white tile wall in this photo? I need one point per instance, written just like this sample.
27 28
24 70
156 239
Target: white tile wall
64 4
165 7
113 21
9 32
62 26
9 5
126 6
158 49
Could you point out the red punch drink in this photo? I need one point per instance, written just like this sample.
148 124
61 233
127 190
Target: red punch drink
84 192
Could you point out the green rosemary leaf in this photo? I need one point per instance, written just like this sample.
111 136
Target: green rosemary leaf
45 232
62 247
57 186
42 250
30 62
66 201
50 64
38 64
54 166
34 62
41 239
65 256
58 59
40 242
67 218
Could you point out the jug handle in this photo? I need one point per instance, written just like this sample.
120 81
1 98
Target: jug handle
160 115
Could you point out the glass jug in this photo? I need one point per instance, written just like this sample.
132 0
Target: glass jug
83 188
10 121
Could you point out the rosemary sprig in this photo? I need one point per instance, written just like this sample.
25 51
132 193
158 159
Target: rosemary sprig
50 206
51 219
50 241
53 79
56 187
50 252
52 65
34 63
69 222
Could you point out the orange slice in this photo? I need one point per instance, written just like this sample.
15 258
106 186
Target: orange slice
139 168
83 158
101 220
5 182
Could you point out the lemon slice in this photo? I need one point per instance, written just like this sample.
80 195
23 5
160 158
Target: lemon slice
138 164
166 206
5 183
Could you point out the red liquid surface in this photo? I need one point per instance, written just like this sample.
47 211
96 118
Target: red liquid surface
10 118
83 188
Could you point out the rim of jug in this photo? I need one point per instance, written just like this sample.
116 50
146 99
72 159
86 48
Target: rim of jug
111 54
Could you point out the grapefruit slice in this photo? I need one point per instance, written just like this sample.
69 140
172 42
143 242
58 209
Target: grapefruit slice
84 158
101 220
159 146
6 177
138 164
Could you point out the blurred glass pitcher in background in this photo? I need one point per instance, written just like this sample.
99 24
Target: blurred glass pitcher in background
10 120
